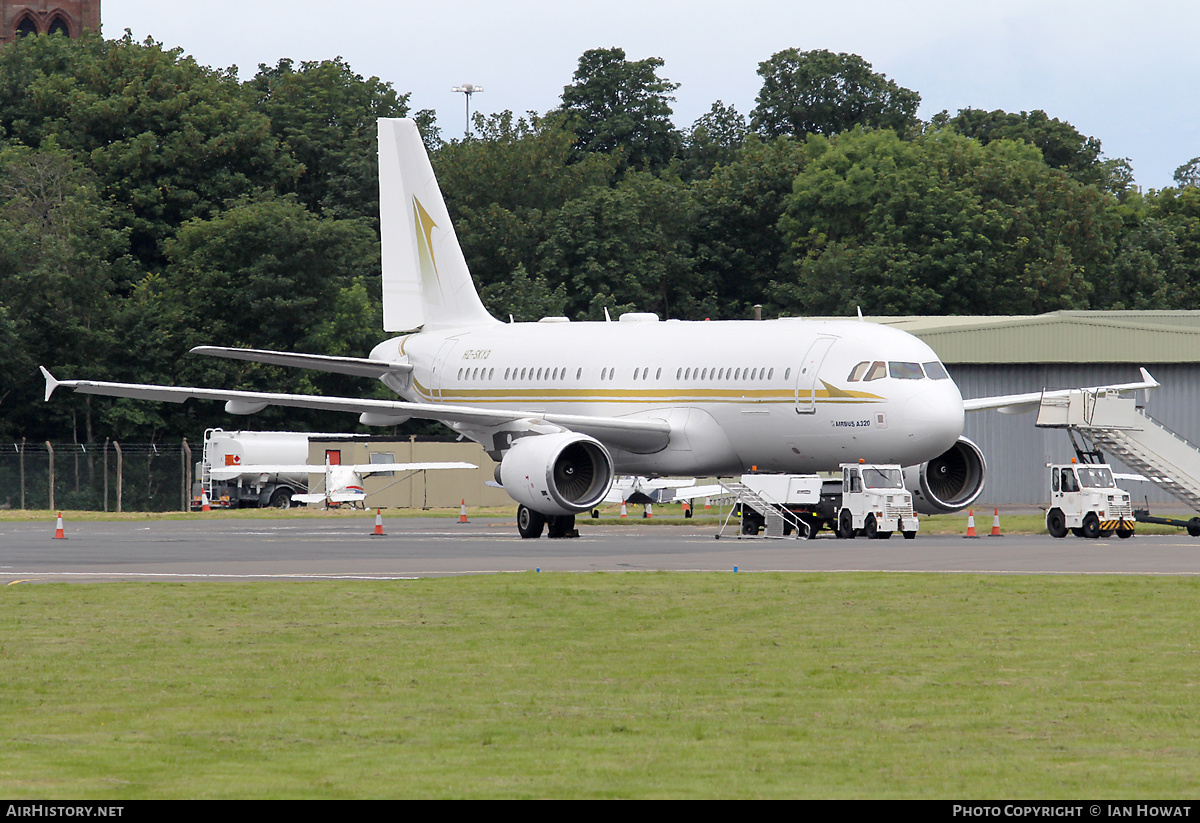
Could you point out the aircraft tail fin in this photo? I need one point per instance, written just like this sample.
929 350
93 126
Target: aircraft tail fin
425 277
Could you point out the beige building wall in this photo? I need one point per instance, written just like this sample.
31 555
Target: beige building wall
442 488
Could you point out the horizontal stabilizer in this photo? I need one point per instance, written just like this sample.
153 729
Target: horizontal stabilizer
359 366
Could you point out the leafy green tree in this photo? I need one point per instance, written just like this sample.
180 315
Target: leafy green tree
1062 145
1188 175
170 139
620 105
505 186
819 92
736 238
62 266
942 225
630 242
714 140
324 115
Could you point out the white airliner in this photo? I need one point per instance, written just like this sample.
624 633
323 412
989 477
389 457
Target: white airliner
566 406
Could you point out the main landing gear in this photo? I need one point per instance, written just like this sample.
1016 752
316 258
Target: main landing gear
531 523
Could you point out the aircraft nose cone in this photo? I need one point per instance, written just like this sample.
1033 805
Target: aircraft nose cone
935 418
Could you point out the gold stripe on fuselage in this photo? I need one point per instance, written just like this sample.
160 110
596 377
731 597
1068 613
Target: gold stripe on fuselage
829 396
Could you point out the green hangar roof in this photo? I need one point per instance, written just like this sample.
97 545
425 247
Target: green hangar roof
1060 337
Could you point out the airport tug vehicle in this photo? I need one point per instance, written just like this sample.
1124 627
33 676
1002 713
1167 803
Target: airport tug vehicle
1085 500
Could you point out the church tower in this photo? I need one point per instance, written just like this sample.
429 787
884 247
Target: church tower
68 17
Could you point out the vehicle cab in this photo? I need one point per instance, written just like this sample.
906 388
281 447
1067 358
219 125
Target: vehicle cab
1084 499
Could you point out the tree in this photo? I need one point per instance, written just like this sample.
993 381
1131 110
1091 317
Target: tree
62 265
324 114
1188 175
1062 145
170 139
819 92
942 225
620 105
630 242
714 140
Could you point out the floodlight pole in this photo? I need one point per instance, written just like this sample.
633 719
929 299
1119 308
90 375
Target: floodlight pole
468 89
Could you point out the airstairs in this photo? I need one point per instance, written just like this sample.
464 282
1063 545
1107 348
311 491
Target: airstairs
775 516
1112 421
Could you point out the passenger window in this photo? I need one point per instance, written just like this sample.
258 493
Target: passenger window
878 371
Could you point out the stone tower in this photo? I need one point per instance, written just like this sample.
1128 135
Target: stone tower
69 17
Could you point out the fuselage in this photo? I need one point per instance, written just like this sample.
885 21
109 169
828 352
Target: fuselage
787 395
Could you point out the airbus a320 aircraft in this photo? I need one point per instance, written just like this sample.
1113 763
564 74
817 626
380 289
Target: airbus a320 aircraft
566 406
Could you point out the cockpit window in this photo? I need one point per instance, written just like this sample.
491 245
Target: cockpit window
878 371
858 371
906 371
936 371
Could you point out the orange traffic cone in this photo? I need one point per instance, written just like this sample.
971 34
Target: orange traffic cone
624 512
971 524
462 512
204 507
378 524
58 530
649 512
707 503
995 524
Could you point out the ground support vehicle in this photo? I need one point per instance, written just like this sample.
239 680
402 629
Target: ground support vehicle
868 500
252 489
1085 500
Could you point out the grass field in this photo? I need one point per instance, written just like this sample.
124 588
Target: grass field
602 685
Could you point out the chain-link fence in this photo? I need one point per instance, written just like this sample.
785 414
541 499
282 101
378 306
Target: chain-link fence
107 476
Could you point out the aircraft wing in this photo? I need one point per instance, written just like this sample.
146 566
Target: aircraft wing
230 472
360 366
641 435
1019 403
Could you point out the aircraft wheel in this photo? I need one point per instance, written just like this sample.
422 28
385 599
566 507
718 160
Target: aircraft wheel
281 499
910 535
870 527
1107 532
846 525
884 535
1091 526
1193 527
529 522
1056 523
1124 533
688 514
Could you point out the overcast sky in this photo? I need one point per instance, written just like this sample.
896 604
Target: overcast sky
1121 71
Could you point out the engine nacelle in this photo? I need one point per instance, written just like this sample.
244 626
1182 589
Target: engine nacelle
557 474
951 481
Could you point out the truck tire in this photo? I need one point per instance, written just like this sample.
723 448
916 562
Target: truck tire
870 528
529 522
1091 526
1056 523
845 525
910 535
1124 533
1193 527
752 521
281 499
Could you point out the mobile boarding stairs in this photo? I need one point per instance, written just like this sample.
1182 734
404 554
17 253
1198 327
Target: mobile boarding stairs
1112 422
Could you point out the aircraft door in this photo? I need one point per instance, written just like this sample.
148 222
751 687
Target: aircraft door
806 376
439 377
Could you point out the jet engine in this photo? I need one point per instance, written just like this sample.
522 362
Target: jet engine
949 482
556 474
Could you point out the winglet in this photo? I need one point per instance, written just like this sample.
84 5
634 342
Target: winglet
51 383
